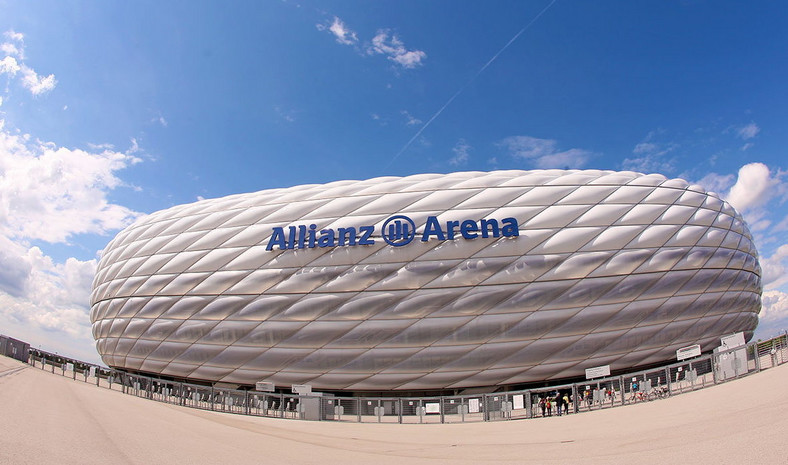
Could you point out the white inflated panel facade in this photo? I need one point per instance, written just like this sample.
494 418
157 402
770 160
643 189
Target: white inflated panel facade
609 268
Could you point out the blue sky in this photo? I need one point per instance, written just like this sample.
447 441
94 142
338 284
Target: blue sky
112 110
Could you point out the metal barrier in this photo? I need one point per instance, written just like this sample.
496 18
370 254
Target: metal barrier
613 391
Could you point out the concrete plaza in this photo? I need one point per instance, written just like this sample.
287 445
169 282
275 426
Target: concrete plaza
54 419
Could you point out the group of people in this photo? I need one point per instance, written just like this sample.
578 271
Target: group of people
560 402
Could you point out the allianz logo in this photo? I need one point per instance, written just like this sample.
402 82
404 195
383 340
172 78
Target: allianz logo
397 231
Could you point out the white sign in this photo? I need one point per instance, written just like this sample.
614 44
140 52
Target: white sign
473 405
301 389
518 401
732 341
688 352
432 407
264 386
598 372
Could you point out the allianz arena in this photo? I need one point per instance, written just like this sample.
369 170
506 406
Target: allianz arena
427 282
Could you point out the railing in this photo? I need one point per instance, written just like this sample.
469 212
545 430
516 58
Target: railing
614 391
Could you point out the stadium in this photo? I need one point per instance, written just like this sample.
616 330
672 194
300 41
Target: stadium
432 282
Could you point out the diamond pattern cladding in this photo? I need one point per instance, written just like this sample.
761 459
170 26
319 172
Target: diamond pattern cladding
615 268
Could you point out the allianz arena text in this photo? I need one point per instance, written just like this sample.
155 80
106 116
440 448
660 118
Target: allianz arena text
427 282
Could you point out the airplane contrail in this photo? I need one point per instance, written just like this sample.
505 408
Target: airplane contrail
470 81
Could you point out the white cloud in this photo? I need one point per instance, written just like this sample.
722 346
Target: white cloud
775 306
394 49
411 120
543 153
50 286
461 153
15 36
755 187
46 303
383 43
773 319
645 147
756 194
14 267
341 32
52 309
718 183
50 193
650 156
35 83
13 64
9 49
9 65
775 268
102 147
748 132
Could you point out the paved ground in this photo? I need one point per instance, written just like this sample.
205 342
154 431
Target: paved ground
50 419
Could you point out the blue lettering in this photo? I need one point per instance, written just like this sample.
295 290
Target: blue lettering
432 228
277 238
450 225
292 237
467 229
301 236
366 233
311 242
398 233
349 234
327 238
510 227
490 226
